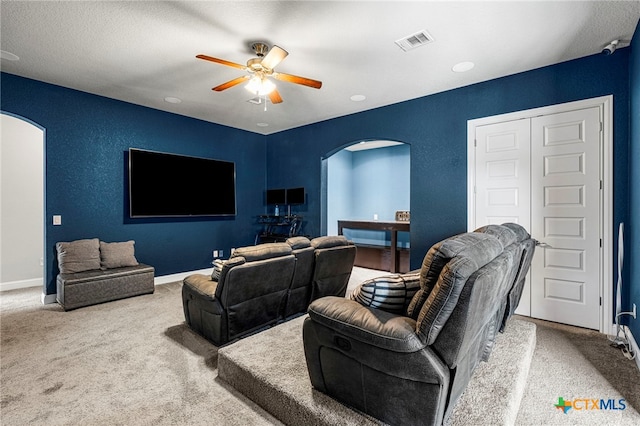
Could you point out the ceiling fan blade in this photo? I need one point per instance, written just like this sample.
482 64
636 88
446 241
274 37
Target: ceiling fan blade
230 83
221 61
275 97
274 57
298 80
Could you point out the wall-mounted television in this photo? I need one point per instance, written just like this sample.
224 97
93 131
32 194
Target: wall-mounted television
276 196
295 196
171 185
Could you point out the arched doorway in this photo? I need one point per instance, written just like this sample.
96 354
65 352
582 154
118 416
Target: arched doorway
367 180
22 230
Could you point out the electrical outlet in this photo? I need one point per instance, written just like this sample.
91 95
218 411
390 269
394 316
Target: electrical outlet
634 311
215 254
221 253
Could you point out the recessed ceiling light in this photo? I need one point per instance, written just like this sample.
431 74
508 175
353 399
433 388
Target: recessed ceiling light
172 100
358 98
463 67
8 56
262 124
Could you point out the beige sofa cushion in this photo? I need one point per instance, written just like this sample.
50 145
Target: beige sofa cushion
78 256
117 255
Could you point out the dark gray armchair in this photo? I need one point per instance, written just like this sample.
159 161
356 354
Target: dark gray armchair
411 368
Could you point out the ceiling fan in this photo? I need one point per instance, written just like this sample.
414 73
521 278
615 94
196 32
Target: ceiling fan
259 70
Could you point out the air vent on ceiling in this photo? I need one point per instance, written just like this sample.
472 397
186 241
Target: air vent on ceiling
414 40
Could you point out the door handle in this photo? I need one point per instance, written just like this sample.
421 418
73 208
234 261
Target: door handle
542 244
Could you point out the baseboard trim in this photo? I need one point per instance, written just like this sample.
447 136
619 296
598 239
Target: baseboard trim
15 285
634 345
166 279
48 299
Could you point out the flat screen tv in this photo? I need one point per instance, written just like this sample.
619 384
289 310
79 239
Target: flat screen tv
276 196
171 185
295 196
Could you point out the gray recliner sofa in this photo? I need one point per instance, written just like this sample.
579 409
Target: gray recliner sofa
411 368
247 296
262 285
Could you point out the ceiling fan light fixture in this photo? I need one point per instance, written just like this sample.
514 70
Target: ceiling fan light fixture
260 86
259 70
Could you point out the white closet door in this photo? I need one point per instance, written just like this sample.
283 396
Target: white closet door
544 173
565 205
503 180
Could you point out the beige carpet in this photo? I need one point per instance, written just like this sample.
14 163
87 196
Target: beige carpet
270 369
128 362
577 364
134 362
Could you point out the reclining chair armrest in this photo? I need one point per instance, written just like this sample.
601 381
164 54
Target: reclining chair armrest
202 284
371 326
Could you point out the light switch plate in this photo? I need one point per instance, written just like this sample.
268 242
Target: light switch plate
57 219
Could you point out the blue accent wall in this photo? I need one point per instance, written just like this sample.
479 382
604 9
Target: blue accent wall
87 140
365 183
632 227
87 137
436 128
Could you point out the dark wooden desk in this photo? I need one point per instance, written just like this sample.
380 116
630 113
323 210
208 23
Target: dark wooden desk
377 225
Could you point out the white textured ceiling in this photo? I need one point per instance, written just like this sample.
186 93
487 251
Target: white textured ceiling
144 51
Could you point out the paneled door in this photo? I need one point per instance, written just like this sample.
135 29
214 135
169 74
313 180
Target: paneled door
503 176
565 212
545 174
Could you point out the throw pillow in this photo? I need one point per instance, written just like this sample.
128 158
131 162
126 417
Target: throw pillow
390 293
117 255
78 256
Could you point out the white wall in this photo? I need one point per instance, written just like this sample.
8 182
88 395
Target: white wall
21 204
